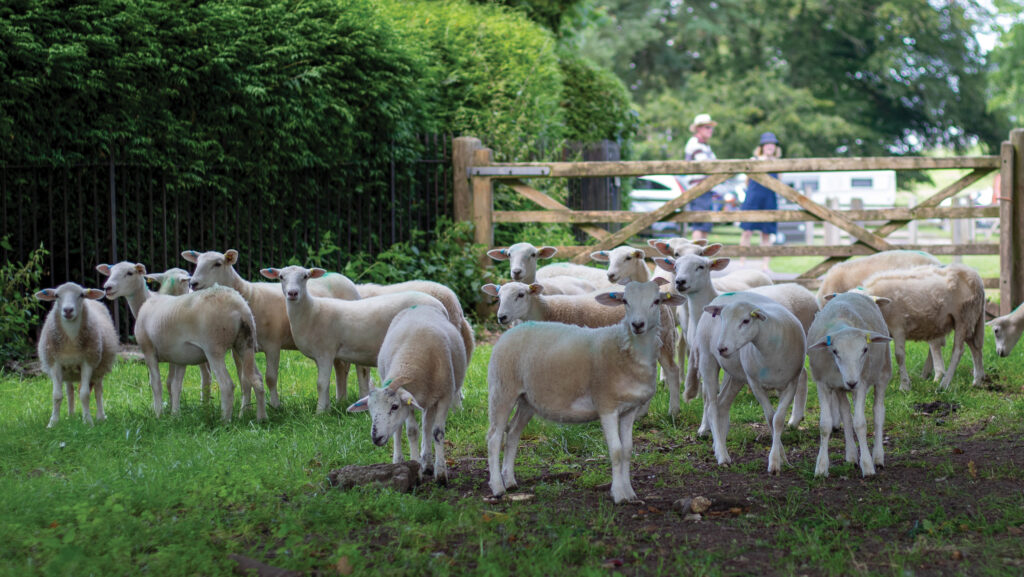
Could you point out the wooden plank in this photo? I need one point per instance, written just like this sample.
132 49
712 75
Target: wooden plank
664 210
879 215
1011 224
547 202
463 148
642 167
845 250
823 213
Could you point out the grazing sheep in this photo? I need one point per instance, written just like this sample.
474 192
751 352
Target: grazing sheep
926 303
849 353
78 343
521 302
174 282
267 304
753 340
1007 329
422 362
190 329
572 374
328 329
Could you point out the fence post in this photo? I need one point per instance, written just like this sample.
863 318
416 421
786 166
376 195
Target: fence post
1011 223
463 148
959 234
831 232
483 215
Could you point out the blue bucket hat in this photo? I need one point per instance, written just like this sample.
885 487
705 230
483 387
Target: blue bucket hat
768 137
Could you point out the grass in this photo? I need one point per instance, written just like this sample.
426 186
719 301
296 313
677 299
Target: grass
175 496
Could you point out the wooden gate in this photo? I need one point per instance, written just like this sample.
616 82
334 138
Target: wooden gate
476 174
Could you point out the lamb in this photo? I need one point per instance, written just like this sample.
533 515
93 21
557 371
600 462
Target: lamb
521 302
846 276
437 290
267 304
926 303
754 340
190 329
1007 329
849 353
422 362
523 257
78 343
329 329
174 282
572 374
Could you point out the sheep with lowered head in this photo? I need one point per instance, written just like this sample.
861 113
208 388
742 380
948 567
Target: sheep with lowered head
1007 330
422 362
78 343
848 349
572 374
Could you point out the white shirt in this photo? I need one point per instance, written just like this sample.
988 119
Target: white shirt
697 151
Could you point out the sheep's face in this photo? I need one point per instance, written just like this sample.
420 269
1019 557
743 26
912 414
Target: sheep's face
389 408
124 279
643 301
851 349
70 299
1007 333
172 281
740 323
677 247
514 301
625 264
212 268
522 259
693 272
293 280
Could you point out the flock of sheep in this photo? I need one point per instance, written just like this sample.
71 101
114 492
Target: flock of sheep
586 343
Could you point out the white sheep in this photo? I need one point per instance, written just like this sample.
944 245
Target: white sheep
174 282
1007 330
521 302
328 329
926 303
756 341
523 257
267 304
572 374
422 362
78 343
846 276
848 348
190 329
595 276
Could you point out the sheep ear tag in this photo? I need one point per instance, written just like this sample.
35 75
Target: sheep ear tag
828 341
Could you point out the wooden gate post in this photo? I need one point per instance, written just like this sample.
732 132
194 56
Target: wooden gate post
483 216
1011 223
463 148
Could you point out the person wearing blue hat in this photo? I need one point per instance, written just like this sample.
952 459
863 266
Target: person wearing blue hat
759 197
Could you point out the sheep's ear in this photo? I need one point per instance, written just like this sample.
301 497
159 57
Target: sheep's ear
157 277
701 242
666 263
660 246
46 295
672 300
407 399
599 256
640 254
719 263
612 299
490 289
660 281
877 338
191 256
713 310
710 249
103 269
316 272
140 268
881 301
271 273
359 406
546 252
536 288
231 257
818 345
759 315
94 294
830 297
498 253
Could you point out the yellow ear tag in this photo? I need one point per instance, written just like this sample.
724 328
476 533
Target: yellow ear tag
868 337
408 401
753 314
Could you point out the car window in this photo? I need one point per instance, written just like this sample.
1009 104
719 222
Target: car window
644 184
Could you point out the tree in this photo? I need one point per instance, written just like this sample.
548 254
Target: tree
1007 75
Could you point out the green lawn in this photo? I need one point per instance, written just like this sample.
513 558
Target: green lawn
136 495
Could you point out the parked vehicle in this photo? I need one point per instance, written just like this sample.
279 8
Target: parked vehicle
653 190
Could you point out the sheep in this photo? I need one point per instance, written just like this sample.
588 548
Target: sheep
925 304
521 302
523 257
846 276
190 329
422 362
328 329
267 304
848 349
174 282
753 340
1007 329
437 290
78 342
595 276
572 374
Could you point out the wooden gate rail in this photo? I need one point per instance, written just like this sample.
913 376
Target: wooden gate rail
476 173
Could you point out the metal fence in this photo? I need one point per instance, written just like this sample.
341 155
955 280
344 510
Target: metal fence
107 212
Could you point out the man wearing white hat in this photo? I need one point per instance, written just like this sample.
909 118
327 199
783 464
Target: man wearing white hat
697 148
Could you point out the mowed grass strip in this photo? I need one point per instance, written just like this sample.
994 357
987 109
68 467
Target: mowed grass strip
178 495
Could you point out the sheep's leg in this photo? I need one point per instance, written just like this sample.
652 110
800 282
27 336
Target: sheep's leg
954 358
670 369
933 361
57 377
341 379
827 401
878 453
365 380
242 383
273 356
323 384
730 388
847 415
499 410
249 378
224 383
204 382
175 376
154 379
709 375
621 489
899 346
417 439
860 425
84 390
98 388
777 456
437 432
524 412
396 444
763 400
626 421
976 343
70 386
800 400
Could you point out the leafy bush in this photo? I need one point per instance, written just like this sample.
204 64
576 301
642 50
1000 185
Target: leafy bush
19 310
597 105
